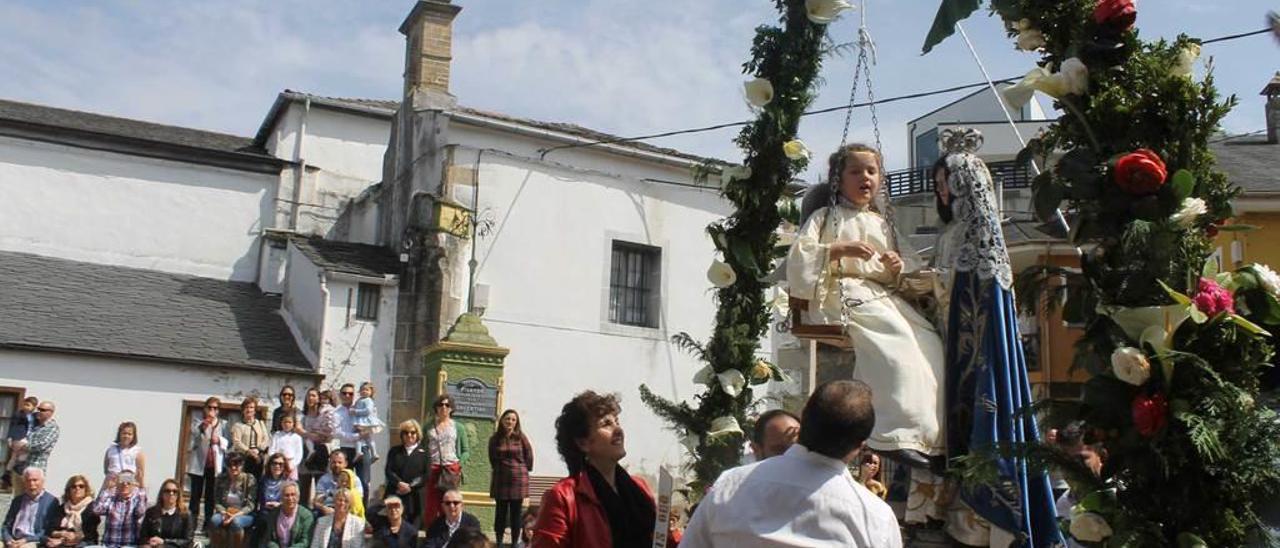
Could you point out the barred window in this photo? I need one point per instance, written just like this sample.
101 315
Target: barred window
367 296
634 284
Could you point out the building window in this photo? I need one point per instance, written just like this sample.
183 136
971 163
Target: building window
367 297
633 284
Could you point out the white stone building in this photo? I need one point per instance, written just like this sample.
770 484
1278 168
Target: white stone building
145 267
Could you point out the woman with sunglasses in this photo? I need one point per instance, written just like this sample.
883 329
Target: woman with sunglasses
70 524
446 451
272 482
288 406
406 470
234 504
168 523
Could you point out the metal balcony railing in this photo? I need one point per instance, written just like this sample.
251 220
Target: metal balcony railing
907 182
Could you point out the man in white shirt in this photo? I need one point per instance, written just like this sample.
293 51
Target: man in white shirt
806 496
347 435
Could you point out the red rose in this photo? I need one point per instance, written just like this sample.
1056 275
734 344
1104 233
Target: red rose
1140 172
1117 15
1150 414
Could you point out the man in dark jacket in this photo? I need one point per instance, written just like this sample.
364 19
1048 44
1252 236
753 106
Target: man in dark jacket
24 522
450 521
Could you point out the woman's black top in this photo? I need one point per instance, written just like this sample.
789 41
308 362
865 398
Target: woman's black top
177 529
630 511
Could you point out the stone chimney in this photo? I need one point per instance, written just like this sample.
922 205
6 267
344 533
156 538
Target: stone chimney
1272 92
428 52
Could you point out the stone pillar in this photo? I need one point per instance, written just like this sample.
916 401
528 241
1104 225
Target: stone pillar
468 364
428 32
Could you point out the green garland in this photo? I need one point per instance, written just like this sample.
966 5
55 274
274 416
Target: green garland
1190 448
788 57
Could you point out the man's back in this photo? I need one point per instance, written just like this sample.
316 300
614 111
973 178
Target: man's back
797 499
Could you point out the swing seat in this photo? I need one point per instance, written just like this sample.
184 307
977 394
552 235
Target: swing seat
830 335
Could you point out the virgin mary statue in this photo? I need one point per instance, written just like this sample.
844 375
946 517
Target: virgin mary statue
986 371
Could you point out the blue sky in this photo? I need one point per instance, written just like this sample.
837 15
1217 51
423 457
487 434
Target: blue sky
623 66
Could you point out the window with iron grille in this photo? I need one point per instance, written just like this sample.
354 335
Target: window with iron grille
634 284
367 296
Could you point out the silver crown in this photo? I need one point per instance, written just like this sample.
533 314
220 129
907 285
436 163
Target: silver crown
960 140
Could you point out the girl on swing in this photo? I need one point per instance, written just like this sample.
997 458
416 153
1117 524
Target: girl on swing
844 262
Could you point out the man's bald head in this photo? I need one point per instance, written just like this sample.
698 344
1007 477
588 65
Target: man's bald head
837 419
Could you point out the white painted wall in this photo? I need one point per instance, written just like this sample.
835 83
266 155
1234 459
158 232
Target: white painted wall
547 265
343 154
94 395
304 302
111 208
357 350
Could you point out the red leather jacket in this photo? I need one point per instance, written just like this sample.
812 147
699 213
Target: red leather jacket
571 516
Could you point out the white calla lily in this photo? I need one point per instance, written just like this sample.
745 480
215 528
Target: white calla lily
724 426
759 92
795 149
822 12
1071 79
1192 209
732 382
705 375
731 173
721 274
1134 321
1186 60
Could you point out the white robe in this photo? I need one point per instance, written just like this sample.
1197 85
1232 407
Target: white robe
899 353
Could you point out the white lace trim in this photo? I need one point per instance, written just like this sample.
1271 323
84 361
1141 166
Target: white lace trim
979 242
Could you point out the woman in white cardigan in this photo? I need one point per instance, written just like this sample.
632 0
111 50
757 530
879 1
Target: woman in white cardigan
341 529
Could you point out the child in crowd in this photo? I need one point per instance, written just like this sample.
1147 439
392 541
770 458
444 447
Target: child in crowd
288 443
19 425
367 423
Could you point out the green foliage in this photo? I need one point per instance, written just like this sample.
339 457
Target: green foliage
789 56
1194 480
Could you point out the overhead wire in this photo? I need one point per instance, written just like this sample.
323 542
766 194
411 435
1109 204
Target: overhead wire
702 129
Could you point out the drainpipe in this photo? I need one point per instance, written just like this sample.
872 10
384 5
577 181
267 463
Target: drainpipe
324 322
296 210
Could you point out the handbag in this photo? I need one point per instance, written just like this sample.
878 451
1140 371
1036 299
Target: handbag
448 478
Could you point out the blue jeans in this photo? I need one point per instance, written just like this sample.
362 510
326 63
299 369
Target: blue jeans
239 522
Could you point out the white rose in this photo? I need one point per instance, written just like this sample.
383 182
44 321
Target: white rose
1192 209
759 92
1186 60
1089 527
1030 40
1076 75
724 426
732 382
821 12
795 150
761 371
721 274
731 173
1130 365
1268 278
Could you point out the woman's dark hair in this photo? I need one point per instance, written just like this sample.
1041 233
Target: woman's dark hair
515 432
159 505
944 210
130 425
838 159
290 388
441 399
576 420
235 458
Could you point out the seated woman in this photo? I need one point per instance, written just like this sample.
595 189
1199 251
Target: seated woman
233 505
845 264
73 522
168 523
342 528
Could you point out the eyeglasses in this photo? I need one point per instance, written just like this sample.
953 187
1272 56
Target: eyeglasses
395 507
348 393
79 486
444 404
169 491
44 410
211 407
451 502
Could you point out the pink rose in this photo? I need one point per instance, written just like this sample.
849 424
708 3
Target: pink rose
1212 298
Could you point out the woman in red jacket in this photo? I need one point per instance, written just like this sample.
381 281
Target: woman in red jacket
599 504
